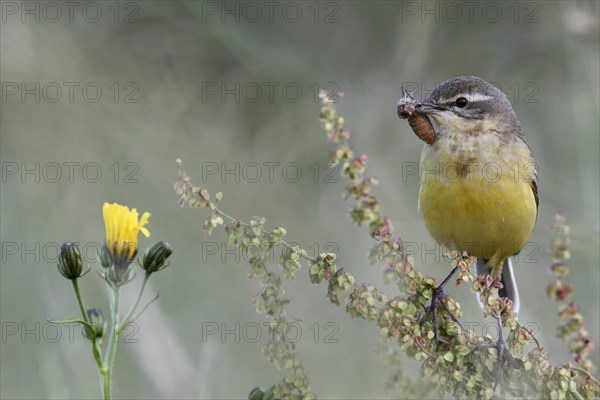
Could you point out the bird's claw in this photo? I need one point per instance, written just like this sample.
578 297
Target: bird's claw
501 350
438 298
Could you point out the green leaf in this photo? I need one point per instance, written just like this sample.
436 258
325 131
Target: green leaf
449 356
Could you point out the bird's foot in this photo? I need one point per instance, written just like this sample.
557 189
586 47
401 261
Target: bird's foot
439 298
501 350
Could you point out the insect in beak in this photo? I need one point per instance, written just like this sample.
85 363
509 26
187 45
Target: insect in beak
415 112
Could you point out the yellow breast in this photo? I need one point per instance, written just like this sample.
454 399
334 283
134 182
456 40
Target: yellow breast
476 194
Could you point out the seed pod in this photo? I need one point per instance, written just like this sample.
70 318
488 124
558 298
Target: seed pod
419 123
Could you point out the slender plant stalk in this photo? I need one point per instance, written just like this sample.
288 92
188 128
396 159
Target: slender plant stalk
586 373
80 300
113 339
228 217
95 346
283 242
131 312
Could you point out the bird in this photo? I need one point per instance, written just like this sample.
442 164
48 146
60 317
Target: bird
478 181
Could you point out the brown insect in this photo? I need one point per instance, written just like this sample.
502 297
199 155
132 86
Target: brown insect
419 123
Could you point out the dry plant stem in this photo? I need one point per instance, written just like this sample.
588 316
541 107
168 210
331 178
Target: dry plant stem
270 299
448 363
356 306
573 329
537 343
232 219
583 371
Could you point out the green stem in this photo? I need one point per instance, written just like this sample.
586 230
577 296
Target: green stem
80 300
136 316
106 387
113 339
95 346
132 310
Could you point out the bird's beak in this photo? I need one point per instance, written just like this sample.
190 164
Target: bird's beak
427 106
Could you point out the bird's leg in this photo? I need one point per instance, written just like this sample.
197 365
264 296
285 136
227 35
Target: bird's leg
501 351
439 295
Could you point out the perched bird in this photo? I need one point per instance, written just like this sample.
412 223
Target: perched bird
478 188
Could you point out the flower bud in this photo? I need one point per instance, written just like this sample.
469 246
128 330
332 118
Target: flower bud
256 394
69 262
260 394
96 318
156 256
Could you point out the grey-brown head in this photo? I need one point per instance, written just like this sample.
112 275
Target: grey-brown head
465 102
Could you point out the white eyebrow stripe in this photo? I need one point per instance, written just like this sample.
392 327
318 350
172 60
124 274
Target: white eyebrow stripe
471 97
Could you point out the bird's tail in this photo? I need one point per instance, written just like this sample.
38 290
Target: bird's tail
509 282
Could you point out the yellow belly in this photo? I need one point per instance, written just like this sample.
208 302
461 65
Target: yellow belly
489 212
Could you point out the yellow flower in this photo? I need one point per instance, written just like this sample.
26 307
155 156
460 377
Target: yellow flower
122 228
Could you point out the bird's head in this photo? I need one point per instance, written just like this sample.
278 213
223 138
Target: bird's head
468 103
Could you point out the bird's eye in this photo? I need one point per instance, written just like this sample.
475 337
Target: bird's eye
461 102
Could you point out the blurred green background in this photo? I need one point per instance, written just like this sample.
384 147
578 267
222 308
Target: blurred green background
168 72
